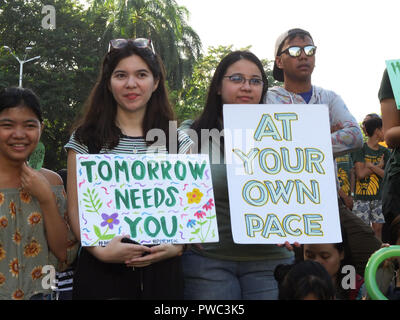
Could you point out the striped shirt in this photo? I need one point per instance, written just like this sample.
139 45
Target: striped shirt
136 145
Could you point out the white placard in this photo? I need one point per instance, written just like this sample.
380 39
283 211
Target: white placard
281 176
154 198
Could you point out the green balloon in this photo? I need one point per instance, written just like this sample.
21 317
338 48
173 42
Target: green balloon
370 271
37 157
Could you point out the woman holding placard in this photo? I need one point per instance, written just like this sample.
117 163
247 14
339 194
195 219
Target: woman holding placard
34 237
226 270
129 100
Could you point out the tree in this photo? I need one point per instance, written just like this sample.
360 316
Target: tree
70 57
162 21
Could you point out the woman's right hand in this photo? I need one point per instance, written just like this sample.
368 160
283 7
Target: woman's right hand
118 252
289 246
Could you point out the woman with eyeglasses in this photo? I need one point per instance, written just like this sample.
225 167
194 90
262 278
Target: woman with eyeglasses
226 270
128 101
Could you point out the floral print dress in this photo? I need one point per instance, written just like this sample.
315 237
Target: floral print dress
23 244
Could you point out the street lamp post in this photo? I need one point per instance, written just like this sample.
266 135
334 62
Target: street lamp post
21 62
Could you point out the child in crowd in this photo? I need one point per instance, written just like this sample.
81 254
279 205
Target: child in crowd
304 280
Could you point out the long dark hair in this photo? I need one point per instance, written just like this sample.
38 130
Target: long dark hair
97 128
212 113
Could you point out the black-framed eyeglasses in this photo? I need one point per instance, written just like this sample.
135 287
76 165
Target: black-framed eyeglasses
239 79
295 51
141 43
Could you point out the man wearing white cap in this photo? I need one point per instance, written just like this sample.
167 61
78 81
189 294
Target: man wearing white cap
294 63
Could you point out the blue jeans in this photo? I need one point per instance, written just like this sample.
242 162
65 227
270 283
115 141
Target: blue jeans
213 279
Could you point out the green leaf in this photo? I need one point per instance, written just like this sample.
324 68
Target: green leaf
97 231
107 237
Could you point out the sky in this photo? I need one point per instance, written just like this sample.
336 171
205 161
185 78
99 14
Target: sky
353 37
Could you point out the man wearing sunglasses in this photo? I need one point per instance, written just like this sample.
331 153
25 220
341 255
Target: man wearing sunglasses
294 64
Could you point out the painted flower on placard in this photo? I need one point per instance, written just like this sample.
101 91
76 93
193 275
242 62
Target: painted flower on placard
194 196
200 214
1 198
2 279
209 205
109 220
191 223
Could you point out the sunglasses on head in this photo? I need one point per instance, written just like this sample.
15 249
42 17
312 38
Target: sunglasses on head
141 43
295 51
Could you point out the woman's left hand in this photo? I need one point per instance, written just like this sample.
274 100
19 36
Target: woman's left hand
158 253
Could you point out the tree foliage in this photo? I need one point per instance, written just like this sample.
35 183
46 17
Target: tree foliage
162 21
62 77
71 52
71 56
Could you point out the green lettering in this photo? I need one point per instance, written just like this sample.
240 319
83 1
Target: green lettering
132 225
108 175
134 198
180 175
159 196
119 197
88 165
196 170
135 165
157 226
121 167
152 168
146 198
165 167
171 201
174 226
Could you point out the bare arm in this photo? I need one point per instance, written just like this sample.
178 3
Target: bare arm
377 169
38 185
361 170
391 122
346 133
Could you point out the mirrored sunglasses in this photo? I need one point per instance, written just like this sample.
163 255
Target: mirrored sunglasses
295 51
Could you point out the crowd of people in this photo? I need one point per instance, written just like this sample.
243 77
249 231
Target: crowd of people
39 219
